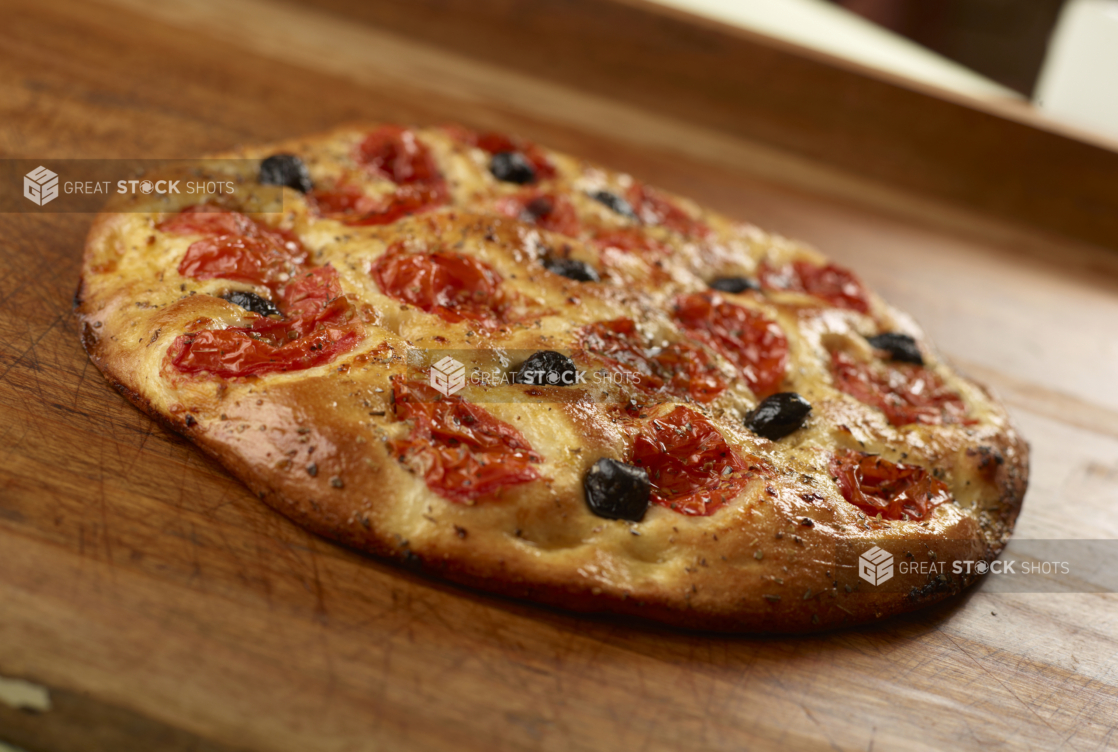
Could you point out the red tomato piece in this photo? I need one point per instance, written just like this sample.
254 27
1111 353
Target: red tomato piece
316 296
345 202
749 340
680 370
208 219
253 260
451 285
462 450
907 393
243 352
692 468
895 491
235 247
318 326
395 153
691 373
654 208
838 286
548 211
351 205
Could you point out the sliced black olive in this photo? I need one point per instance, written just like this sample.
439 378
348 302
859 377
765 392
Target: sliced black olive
579 271
250 301
617 491
547 368
900 347
512 167
734 284
537 209
778 415
615 202
286 169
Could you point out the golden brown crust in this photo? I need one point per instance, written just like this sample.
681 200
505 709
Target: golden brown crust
781 557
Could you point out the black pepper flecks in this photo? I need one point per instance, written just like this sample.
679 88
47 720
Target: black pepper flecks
312 470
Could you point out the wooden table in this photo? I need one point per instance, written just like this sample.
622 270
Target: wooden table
164 608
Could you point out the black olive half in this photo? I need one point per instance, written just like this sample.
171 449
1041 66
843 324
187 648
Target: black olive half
900 347
579 271
615 202
538 208
512 167
547 368
250 301
778 415
734 284
617 491
286 169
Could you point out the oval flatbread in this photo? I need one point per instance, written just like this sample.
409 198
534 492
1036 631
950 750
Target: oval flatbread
536 376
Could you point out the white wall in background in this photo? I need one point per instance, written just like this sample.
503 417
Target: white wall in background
1079 81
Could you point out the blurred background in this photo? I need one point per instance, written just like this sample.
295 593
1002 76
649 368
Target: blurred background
1061 55
1004 40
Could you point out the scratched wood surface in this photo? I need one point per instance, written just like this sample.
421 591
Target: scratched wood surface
166 609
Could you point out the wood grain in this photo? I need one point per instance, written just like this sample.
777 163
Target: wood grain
168 609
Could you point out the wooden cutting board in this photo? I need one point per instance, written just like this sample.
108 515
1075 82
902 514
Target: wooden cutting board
161 607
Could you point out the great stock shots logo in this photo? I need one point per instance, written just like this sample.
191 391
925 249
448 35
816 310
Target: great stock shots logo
90 186
875 566
448 376
40 186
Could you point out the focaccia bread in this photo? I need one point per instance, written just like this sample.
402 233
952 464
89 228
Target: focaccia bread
546 379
